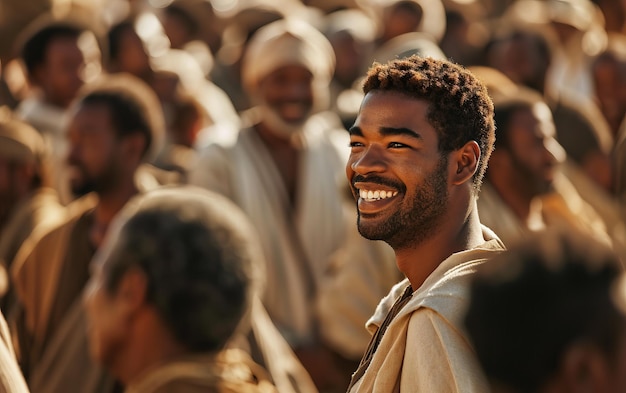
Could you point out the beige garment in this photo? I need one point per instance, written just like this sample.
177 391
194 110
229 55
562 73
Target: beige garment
231 371
567 209
36 273
51 122
606 205
297 241
40 211
498 216
424 348
32 216
361 273
11 379
65 365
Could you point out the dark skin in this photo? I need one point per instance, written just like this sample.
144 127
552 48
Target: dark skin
106 160
288 92
392 140
59 76
525 169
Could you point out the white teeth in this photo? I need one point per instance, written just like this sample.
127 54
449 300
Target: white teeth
376 195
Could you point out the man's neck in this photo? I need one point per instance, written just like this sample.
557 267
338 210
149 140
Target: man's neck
150 345
419 261
109 204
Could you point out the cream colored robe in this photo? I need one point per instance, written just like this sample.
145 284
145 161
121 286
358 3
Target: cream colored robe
362 272
40 211
63 364
425 349
11 379
298 245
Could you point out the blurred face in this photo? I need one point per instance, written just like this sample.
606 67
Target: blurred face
132 57
349 58
94 150
397 174
532 148
610 90
519 58
404 17
287 97
61 74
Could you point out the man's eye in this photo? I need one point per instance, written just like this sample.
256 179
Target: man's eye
355 144
397 145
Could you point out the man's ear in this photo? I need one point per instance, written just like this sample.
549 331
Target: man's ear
465 162
584 368
132 290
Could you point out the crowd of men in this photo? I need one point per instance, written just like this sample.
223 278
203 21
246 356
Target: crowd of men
312 196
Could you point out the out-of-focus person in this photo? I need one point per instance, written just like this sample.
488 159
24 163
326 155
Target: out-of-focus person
58 54
28 205
114 126
284 171
170 287
549 315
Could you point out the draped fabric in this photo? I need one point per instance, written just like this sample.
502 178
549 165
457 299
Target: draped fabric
297 241
424 347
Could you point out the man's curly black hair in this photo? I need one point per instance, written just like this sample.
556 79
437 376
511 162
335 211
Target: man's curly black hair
460 108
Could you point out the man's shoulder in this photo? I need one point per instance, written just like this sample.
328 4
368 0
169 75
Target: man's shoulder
57 233
446 291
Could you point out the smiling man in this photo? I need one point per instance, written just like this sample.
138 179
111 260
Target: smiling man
419 148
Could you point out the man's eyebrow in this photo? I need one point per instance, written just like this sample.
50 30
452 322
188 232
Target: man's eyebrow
387 131
356 131
390 131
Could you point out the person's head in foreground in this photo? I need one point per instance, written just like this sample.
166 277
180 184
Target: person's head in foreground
549 315
419 149
173 279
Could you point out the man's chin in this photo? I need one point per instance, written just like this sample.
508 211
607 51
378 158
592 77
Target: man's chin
280 126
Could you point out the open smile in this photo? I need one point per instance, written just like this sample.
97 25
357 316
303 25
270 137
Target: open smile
374 198
377 195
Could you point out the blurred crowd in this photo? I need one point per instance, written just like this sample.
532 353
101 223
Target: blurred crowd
103 101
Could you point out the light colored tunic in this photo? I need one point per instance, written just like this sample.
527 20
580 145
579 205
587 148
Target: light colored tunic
424 348
297 241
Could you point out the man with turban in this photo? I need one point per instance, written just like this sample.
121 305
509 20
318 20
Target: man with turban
283 171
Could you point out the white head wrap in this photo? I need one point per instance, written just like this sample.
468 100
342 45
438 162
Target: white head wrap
287 42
